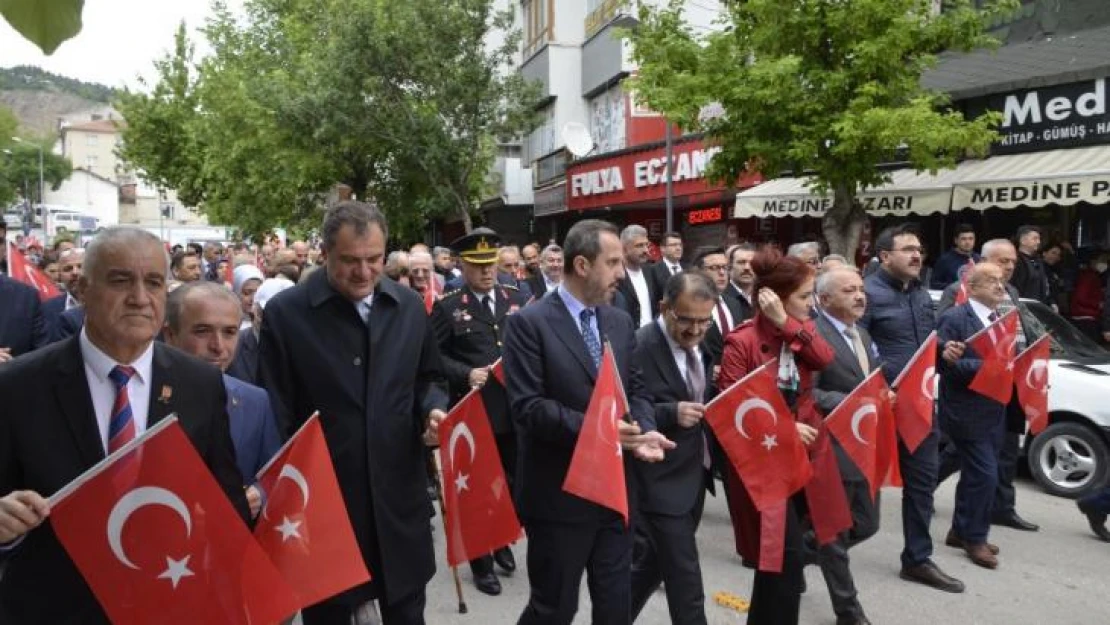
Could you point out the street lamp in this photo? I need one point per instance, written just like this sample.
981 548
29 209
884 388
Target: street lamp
42 188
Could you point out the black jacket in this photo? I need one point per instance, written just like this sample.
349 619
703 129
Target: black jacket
1030 278
22 325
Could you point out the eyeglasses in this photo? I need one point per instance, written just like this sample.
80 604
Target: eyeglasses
690 322
716 268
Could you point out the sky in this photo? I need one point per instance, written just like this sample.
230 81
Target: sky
120 40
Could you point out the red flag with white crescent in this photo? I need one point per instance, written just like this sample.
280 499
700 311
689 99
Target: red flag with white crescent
1031 380
995 347
862 424
304 526
23 270
962 294
757 432
916 386
479 516
429 300
596 471
166 545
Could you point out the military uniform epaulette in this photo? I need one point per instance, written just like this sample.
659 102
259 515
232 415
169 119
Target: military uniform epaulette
451 294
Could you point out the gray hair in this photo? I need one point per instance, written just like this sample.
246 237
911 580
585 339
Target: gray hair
826 282
175 302
584 239
396 257
696 284
989 248
836 257
439 249
359 215
797 249
118 236
551 249
633 232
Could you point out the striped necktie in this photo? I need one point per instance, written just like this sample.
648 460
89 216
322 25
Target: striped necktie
121 427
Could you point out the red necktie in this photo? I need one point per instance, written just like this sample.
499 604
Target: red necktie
726 327
121 427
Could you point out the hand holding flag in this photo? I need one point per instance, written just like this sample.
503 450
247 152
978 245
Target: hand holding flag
995 347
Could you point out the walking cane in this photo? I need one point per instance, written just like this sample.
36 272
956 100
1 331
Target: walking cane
434 470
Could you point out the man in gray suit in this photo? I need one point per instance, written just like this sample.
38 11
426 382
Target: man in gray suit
1001 252
842 302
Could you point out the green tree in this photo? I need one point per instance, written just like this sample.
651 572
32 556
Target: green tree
401 101
19 164
828 88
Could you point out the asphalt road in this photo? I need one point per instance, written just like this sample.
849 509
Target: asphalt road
1057 575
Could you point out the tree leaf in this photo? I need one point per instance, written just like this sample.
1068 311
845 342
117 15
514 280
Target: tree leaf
45 23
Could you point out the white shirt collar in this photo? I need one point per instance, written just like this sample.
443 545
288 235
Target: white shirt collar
102 364
981 311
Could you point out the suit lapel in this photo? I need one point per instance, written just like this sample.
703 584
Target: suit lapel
71 391
567 330
161 386
664 360
840 343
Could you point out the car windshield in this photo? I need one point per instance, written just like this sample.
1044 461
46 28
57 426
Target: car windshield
1067 341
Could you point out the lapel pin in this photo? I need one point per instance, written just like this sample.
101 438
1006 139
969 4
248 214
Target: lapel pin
167 393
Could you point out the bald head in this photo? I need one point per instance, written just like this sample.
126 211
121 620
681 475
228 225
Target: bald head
1001 252
986 284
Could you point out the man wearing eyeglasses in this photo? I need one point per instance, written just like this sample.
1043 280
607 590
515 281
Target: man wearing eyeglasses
672 492
713 264
899 318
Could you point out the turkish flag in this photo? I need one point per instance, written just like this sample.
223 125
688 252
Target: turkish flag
1031 379
23 270
167 547
766 452
478 508
498 371
596 471
429 299
862 423
995 347
917 391
962 292
304 527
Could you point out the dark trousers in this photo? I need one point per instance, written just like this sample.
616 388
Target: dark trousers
776 597
1098 501
1005 495
919 479
407 611
558 554
668 553
833 557
971 519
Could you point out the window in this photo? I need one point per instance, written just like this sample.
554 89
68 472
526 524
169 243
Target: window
90 162
537 24
92 140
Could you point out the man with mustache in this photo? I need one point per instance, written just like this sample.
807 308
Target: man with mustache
738 295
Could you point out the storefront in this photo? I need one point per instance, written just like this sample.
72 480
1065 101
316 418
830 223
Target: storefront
630 186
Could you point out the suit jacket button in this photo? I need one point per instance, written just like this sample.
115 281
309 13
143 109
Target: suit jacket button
357 361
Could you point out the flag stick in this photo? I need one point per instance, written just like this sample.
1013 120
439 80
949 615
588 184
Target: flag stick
434 471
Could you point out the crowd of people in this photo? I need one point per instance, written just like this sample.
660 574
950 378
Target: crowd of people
382 343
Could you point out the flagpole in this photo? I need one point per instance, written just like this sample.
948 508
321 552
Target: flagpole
434 470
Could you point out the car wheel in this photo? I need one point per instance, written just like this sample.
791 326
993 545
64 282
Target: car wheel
1069 459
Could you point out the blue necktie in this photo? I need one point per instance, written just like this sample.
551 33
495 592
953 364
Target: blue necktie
592 344
121 426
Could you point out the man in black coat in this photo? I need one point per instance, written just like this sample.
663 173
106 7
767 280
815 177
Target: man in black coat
1030 276
22 326
671 263
842 302
56 415
639 297
671 493
361 349
727 312
469 324
741 283
553 352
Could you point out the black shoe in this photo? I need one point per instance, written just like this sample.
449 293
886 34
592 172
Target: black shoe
1016 522
852 620
930 575
504 559
1097 521
488 583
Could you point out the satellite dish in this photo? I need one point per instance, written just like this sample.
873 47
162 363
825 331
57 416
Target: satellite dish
577 139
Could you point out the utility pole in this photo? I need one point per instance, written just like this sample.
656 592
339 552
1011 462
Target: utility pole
670 184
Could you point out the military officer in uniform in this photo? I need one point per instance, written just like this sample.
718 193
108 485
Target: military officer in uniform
469 323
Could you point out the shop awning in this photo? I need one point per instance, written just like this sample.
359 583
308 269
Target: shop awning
1036 179
908 192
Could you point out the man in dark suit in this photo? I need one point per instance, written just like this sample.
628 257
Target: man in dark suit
202 319
671 493
842 302
56 420
22 327
469 324
69 324
550 274
70 264
741 283
727 313
553 351
509 267
1004 512
639 298
361 349
975 423
671 263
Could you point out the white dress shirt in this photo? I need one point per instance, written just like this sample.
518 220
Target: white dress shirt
103 391
640 286
364 306
982 312
677 351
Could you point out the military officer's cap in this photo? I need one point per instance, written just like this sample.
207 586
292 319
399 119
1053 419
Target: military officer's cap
479 247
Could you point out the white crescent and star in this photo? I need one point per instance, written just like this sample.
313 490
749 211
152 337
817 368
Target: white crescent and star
602 433
1040 366
929 383
747 406
462 431
293 474
859 416
132 502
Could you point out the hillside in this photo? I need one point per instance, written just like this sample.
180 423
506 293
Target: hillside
38 98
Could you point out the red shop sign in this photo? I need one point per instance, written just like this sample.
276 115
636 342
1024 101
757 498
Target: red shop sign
704 216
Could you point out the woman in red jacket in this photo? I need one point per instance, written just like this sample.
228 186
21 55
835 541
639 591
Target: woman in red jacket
781 329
